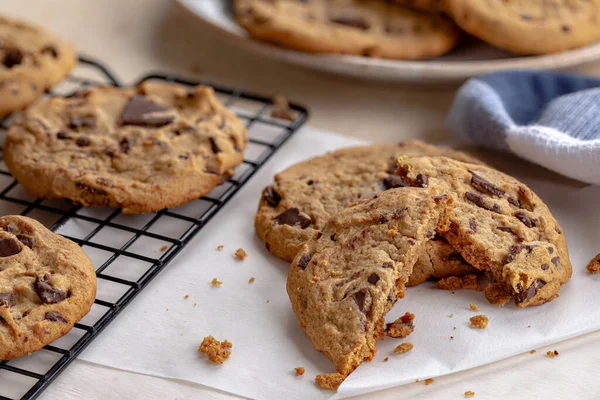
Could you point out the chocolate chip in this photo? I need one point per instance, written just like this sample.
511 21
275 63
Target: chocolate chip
525 219
373 278
479 202
110 150
545 267
550 250
393 181
319 234
566 28
556 261
456 257
28 241
83 141
27 312
383 219
292 217
388 264
505 229
304 260
557 230
213 145
332 237
90 189
82 122
62 135
437 199
516 249
412 242
12 57
126 144
7 300
360 299
51 50
351 20
9 247
55 317
422 180
141 111
271 196
485 186
473 224
526 17
513 201
310 182
530 292
47 293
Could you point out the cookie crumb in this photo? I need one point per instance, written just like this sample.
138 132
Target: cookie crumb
195 304
469 393
416 381
479 321
451 315
164 248
251 279
532 352
594 266
402 327
454 283
386 359
216 351
403 348
429 381
220 247
451 337
281 109
299 371
529 326
187 296
216 282
551 354
241 254
329 381
474 307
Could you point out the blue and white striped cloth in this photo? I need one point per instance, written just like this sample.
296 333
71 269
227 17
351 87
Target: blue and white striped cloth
551 119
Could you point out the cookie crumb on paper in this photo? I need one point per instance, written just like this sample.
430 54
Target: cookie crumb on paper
251 279
187 296
220 247
403 348
216 282
329 381
479 321
429 381
281 109
532 352
402 327
469 393
216 351
474 307
164 248
299 371
241 254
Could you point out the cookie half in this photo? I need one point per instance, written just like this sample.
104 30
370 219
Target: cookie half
373 28
31 62
47 284
142 149
530 26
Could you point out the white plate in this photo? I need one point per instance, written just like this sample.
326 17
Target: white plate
468 60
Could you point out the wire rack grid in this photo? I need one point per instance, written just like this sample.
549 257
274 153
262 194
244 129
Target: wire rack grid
127 251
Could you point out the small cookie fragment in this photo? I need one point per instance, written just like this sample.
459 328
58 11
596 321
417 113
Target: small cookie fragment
220 247
402 327
532 352
251 279
299 371
429 381
454 283
594 266
469 393
281 109
241 254
386 359
216 351
552 354
403 348
164 248
187 296
479 321
474 307
329 381
216 282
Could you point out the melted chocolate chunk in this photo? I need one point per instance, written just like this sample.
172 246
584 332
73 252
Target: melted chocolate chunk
530 292
525 219
9 247
213 145
271 196
556 261
505 229
351 20
62 135
55 317
82 122
304 260
422 180
47 293
485 186
388 265
332 237
90 189
516 249
126 144
12 57
28 241
513 201
393 181
479 202
373 278
292 217
545 267
141 111
360 298
51 50
383 219
550 250
83 141
7 300
473 224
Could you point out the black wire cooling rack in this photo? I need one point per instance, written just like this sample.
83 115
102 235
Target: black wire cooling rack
135 244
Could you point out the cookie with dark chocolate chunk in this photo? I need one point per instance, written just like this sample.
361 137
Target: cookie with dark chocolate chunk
47 284
142 148
501 227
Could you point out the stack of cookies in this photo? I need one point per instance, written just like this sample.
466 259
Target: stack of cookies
419 29
361 224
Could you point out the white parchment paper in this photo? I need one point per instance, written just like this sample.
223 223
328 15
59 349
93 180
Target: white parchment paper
159 333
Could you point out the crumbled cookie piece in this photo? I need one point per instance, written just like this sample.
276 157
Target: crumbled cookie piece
216 351
454 283
550 354
251 279
469 393
402 327
241 254
474 307
329 381
451 337
429 381
164 248
281 109
299 371
403 348
216 282
532 352
451 316
187 296
594 266
386 359
479 321
220 247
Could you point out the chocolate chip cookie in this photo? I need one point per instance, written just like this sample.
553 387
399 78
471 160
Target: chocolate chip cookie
342 284
31 62
373 28
500 226
47 284
142 149
303 198
530 26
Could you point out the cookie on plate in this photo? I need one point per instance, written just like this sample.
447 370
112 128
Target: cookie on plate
342 285
530 26
47 284
31 62
500 226
425 5
373 28
142 149
303 198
